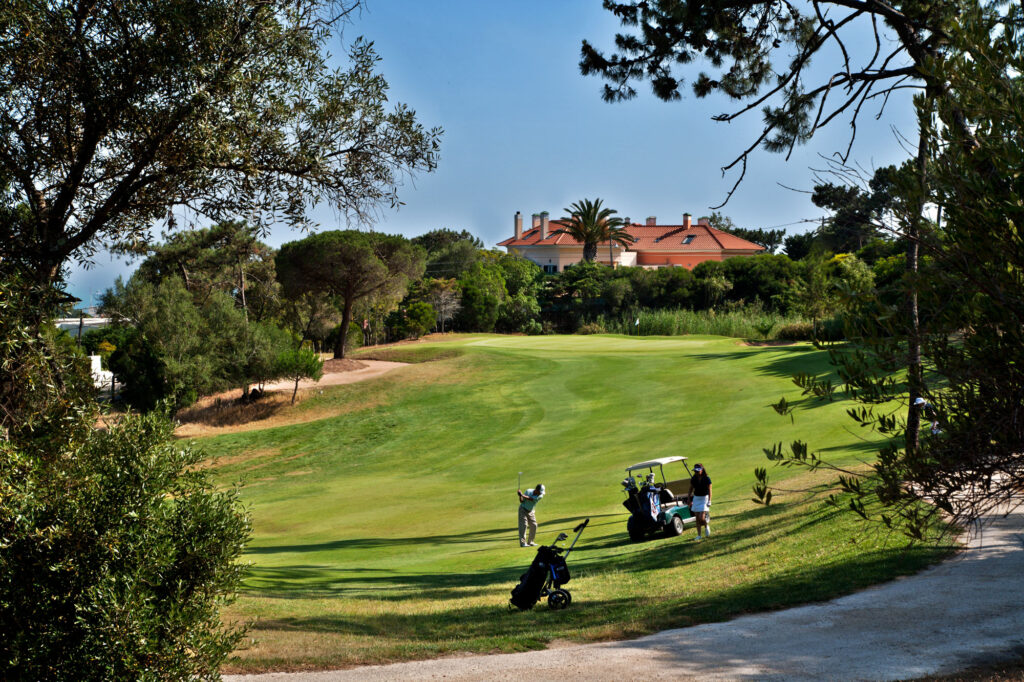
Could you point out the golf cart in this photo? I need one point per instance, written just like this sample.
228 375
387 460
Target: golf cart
657 506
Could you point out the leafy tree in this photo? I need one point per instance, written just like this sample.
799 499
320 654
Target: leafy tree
298 364
518 313
257 363
799 246
971 336
590 224
172 352
522 276
174 349
767 278
348 265
420 317
483 290
437 240
453 260
227 257
572 296
856 213
816 293
311 317
116 113
45 388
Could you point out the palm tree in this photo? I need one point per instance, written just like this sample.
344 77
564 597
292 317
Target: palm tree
590 224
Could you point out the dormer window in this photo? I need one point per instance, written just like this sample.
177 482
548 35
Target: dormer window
688 239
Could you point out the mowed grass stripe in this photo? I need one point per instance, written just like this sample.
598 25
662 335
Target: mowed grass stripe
387 531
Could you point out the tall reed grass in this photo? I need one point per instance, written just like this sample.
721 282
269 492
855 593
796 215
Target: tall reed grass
748 323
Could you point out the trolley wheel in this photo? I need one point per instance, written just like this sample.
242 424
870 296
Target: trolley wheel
675 527
559 599
635 529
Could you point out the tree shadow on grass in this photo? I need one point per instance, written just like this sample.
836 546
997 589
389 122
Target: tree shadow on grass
739 532
799 585
489 536
786 360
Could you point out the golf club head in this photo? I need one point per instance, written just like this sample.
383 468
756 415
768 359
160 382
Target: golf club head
580 527
561 536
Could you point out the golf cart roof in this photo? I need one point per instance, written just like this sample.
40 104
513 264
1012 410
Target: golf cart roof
650 464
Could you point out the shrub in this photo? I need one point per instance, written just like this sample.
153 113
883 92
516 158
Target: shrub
116 551
533 328
795 331
117 555
591 328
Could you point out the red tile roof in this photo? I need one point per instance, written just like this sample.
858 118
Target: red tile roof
649 238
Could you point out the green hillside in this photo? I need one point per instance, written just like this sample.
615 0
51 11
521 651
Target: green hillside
384 529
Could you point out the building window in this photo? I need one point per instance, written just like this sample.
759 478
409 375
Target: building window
550 269
689 238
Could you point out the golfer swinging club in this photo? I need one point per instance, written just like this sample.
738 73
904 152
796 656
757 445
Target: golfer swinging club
527 519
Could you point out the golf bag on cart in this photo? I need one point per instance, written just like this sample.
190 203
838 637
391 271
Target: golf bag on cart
546 575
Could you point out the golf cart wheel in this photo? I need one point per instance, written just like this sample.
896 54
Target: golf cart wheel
635 529
559 599
675 527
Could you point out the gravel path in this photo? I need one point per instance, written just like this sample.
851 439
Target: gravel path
964 612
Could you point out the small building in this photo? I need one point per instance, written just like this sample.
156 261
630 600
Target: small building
655 246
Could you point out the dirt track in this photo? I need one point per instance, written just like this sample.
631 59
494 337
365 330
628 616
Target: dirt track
369 370
964 612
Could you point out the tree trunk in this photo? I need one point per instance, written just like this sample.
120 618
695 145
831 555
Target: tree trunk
589 252
915 378
346 319
295 390
241 283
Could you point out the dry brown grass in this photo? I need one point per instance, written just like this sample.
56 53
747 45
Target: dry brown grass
225 410
240 458
286 415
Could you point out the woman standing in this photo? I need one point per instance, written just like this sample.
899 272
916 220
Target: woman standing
700 503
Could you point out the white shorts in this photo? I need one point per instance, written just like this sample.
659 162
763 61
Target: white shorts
699 504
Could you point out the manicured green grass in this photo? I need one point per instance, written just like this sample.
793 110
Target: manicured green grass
386 530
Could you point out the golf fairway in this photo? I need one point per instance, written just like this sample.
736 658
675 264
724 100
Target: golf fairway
385 517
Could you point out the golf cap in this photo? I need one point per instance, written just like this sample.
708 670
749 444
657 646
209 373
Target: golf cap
920 401
541 488
698 467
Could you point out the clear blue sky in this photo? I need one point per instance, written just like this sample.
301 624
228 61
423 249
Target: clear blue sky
524 131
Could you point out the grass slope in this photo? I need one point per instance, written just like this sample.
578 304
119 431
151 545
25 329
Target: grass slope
386 530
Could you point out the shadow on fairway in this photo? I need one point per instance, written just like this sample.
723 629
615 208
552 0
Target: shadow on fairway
588 558
786 360
489 536
795 586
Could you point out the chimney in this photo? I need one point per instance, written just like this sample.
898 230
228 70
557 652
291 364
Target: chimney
686 221
544 225
519 225
536 221
652 221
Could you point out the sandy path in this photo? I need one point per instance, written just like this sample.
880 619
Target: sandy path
964 612
373 368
